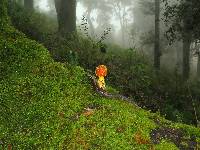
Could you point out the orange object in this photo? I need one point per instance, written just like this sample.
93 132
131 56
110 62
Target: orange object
101 72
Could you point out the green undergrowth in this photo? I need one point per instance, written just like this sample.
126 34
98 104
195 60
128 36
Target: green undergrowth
50 105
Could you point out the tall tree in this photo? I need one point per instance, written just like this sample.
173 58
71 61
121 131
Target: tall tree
187 39
90 7
196 48
51 6
21 2
157 35
198 66
66 16
121 8
29 4
104 13
184 21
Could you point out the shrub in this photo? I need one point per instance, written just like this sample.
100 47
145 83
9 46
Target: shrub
35 25
129 71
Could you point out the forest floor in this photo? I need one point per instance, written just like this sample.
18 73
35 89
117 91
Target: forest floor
50 105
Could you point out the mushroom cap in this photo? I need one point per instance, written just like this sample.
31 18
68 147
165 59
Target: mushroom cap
101 70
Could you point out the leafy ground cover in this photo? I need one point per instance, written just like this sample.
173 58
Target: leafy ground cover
50 105
130 71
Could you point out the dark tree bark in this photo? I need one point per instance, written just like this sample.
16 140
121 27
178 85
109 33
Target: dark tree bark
187 39
197 52
29 4
198 66
157 53
186 55
66 16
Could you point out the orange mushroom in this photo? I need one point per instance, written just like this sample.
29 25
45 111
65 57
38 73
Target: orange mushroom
101 72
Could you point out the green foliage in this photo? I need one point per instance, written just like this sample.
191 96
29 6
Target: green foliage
129 71
44 105
112 90
33 90
34 24
166 146
178 12
62 49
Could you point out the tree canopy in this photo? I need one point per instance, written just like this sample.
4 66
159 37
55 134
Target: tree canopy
175 14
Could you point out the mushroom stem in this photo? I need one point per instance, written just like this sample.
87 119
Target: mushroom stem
101 82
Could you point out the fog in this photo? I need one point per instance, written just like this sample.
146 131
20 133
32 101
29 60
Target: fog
43 6
145 51
132 26
100 74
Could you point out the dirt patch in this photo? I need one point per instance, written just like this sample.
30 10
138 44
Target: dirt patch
174 135
87 111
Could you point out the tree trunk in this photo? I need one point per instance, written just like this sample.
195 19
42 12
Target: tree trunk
123 26
3 14
11 7
186 55
117 10
187 39
66 16
28 4
21 2
157 36
198 67
197 51
179 51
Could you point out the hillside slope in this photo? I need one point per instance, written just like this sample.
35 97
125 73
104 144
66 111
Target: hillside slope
50 105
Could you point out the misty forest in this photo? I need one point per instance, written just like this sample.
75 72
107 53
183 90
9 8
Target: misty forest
100 74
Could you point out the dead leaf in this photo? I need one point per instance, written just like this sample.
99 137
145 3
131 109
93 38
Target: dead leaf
139 139
88 112
9 147
61 114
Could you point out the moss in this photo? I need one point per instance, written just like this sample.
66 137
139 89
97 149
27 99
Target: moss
165 145
50 105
